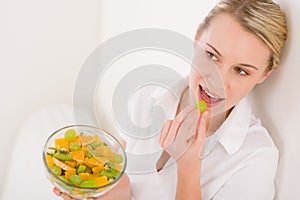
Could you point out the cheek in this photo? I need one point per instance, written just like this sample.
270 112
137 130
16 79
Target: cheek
236 92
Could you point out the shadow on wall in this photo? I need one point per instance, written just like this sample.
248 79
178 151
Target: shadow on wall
276 103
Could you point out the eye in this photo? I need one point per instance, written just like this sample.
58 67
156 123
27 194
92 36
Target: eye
240 71
212 56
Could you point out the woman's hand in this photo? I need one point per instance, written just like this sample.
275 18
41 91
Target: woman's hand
121 191
183 138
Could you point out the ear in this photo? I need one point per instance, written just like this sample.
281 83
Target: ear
266 75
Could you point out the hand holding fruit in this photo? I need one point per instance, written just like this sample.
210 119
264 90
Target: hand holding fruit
83 161
185 135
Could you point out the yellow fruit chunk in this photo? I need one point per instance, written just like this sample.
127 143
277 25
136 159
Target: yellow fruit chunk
68 173
98 139
84 149
86 139
105 151
71 163
100 181
103 159
119 167
62 143
97 169
78 140
62 165
78 156
84 176
49 161
93 162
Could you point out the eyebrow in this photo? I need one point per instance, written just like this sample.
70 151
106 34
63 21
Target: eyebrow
247 65
219 54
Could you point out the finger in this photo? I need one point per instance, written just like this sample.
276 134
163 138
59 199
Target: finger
176 124
57 192
66 197
123 143
202 128
164 132
122 185
163 159
188 128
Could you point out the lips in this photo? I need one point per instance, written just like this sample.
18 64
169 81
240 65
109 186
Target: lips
210 98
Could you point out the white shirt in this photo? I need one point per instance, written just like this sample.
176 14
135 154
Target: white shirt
241 165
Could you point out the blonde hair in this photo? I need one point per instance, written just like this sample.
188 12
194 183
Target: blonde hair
264 18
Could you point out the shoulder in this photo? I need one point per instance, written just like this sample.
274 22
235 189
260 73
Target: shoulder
258 137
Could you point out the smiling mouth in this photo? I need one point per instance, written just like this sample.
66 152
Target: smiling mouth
210 98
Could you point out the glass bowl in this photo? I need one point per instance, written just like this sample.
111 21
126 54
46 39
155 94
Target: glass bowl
83 161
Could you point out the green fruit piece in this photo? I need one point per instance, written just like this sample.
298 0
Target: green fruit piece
88 154
62 155
118 159
88 170
74 146
80 169
91 183
201 105
109 165
75 179
64 179
112 173
56 170
70 134
95 144
94 153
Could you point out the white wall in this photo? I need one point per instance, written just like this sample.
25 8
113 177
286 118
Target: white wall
277 103
44 43
42 46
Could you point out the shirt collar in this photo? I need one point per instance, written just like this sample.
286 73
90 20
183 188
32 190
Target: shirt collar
234 129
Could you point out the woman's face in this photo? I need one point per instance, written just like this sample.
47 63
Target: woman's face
239 60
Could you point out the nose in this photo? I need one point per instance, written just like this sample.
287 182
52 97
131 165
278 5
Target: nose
215 79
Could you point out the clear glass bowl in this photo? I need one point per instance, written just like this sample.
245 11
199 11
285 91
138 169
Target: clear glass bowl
93 154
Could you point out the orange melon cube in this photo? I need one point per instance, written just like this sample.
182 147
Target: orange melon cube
94 162
78 156
100 181
78 140
86 139
97 169
49 161
68 173
62 143
84 176
105 151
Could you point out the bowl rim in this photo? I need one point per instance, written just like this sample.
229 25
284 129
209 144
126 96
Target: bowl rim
75 186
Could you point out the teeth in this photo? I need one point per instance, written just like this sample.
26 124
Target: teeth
210 95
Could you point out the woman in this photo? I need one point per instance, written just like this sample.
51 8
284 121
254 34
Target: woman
243 38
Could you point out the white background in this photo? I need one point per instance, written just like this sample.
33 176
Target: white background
43 44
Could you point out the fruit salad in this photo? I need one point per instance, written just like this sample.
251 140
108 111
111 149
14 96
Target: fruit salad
84 161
